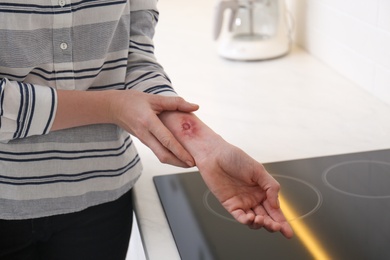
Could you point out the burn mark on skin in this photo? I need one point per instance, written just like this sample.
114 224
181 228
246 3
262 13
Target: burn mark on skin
188 127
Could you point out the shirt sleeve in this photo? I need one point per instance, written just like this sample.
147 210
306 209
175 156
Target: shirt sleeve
144 73
25 109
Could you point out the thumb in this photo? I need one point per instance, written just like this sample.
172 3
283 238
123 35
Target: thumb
270 186
175 103
273 197
185 106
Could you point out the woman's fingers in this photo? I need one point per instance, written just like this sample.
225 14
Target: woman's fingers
137 113
163 103
169 144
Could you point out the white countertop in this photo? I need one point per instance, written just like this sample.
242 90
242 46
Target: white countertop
288 108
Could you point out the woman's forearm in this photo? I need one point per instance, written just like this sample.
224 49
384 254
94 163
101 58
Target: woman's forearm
134 111
79 108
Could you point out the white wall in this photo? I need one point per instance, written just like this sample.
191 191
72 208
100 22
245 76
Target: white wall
352 36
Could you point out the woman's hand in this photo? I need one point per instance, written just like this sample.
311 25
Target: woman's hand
244 188
134 111
240 183
137 113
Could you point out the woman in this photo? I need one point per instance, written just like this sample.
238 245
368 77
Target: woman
76 78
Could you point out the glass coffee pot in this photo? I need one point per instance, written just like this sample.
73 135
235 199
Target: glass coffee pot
253 29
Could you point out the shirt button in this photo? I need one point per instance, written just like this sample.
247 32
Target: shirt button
62 3
63 46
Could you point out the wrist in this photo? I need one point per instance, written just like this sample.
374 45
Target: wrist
80 108
110 100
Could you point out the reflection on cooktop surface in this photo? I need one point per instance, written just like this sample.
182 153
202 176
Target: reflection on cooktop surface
338 206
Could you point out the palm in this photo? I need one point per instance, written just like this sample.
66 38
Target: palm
244 188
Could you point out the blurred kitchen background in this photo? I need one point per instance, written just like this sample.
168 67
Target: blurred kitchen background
351 36
329 95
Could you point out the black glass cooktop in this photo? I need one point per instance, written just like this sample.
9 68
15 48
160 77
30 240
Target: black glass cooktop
338 206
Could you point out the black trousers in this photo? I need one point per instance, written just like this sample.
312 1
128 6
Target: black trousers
99 233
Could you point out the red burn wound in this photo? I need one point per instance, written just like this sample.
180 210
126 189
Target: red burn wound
186 126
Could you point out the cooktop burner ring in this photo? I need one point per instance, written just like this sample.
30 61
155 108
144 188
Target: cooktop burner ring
208 196
368 171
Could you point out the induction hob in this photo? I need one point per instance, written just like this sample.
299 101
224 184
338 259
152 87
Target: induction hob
338 206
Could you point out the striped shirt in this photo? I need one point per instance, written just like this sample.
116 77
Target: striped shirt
88 45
